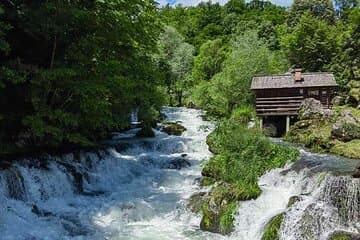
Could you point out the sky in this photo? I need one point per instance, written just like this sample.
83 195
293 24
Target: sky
284 3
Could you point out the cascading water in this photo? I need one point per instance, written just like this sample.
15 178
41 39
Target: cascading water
139 188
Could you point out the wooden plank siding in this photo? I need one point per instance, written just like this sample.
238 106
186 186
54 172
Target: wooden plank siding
278 105
277 102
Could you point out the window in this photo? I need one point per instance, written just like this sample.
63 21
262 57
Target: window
313 93
301 91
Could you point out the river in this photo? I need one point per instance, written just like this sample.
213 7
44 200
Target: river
139 188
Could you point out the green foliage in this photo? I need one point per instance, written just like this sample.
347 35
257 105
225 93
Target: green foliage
209 60
243 155
272 228
243 114
348 149
250 56
78 72
321 9
176 56
312 44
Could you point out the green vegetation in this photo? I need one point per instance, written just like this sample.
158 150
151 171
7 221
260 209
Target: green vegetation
83 67
347 149
318 133
272 228
243 155
293 200
340 236
78 72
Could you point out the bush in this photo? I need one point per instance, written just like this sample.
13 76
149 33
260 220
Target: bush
243 156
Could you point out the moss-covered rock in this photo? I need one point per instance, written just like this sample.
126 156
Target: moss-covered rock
172 128
329 134
347 127
340 235
271 231
314 134
196 202
145 132
218 215
293 200
207 181
347 149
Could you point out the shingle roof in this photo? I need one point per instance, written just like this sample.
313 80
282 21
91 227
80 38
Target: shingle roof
287 81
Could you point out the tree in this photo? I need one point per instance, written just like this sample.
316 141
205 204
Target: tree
209 61
230 88
177 56
322 9
235 6
79 70
312 44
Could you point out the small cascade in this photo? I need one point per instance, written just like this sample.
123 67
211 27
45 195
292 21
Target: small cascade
133 187
138 189
15 184
333 207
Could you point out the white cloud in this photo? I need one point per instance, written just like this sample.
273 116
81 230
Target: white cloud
195 2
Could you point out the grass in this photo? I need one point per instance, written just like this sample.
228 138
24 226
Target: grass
347 149
243 155
272 228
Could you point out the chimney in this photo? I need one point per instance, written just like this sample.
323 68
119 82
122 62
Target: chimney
298 77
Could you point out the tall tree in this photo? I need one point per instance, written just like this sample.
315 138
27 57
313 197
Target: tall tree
312 44
177 55
323 9
209 61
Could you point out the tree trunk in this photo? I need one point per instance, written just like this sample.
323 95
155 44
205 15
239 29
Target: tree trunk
53 52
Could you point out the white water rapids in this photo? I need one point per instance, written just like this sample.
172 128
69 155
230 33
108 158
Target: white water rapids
139 189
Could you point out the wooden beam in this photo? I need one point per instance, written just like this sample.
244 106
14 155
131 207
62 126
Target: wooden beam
281 98
280 101
277 109
277 114
277 105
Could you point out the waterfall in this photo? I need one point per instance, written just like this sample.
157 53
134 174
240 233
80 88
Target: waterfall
139 188
332 207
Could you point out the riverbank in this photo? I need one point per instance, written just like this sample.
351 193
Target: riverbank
242 155
335 131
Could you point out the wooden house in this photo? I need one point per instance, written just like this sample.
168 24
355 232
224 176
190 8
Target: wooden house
280 96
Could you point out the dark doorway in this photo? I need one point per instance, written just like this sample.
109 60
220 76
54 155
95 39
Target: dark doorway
275 126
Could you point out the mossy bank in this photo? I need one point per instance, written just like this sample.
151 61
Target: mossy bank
242 156
336 131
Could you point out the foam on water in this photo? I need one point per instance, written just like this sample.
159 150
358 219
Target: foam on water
139 188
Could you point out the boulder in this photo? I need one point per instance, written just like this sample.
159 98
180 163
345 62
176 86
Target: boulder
338 101
177 163
146 132
172 128
311 108
270 130
293 200
346 128
196 201
356 174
